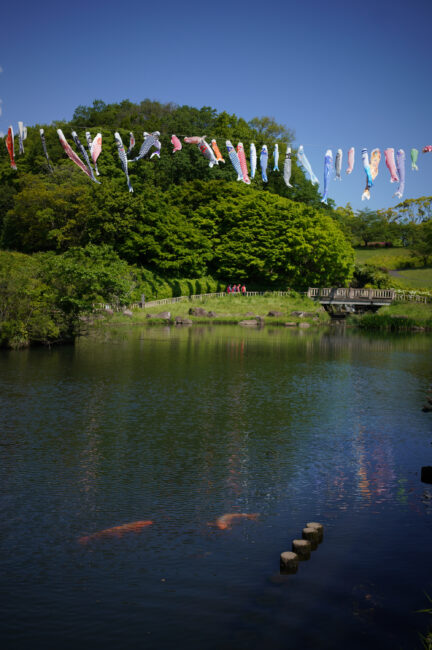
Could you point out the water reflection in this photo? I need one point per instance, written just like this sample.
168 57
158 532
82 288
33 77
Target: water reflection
182 427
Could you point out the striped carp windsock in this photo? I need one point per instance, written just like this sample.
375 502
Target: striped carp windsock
328 168
207 152
414 156
374 164
243 163
44 147
131 143
216 151
351 154
304 162
390 162
150 140
264 162
84 155
176 143
234 159
338 165
276 158
253 160
366 167
123 158
71 153
193 139
10 146
21 137
287 167
95 150
400 165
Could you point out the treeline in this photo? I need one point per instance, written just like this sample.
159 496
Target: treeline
183 221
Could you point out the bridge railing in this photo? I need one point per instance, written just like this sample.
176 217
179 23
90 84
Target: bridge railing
348 293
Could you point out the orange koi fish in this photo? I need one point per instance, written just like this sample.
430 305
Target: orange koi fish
225 522
117 531
217 153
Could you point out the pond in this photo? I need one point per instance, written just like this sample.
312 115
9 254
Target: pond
180 426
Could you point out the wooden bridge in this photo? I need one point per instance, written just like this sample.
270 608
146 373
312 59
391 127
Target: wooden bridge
339 302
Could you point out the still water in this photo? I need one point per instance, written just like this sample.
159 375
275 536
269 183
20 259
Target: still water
180 426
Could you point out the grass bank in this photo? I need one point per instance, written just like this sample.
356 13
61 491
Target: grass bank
230 309
398 317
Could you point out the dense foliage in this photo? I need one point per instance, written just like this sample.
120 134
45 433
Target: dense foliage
183 221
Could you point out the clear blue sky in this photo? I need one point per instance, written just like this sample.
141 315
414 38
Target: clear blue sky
339 73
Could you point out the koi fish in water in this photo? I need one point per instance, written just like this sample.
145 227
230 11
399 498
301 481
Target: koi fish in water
117 531
225 522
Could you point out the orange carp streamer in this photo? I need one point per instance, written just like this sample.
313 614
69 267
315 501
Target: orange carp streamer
225 522
117 531
217 153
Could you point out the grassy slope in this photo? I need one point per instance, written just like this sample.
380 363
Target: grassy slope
388 258
233 308
393 259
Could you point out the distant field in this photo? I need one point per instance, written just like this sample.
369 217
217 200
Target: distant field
389 258
415 278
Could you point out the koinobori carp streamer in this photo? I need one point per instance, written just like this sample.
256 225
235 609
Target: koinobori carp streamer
287 167
243 164
301 156
351 155
10 146
123 158
253 160
217 152
390 162
400 166
234 159
328 168
71 153
44 147
264 163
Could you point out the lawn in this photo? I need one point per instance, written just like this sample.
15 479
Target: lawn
234 308
414 279
388 258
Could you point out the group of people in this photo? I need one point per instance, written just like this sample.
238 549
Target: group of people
236 288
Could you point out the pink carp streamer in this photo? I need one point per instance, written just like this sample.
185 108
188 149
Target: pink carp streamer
374 164
176 143
390 162
350 167
95 150
427 148
10 146
193 139
71 153
243 163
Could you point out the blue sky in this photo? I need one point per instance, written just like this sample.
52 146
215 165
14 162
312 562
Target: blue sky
339 73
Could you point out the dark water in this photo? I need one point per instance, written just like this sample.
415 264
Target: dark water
180 426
